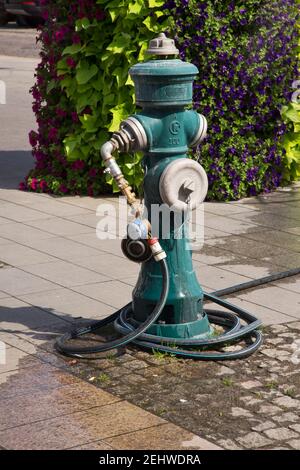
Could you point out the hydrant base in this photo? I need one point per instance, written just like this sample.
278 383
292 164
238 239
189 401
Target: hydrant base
197 329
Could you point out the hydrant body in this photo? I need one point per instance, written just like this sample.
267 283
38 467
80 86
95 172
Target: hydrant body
163 89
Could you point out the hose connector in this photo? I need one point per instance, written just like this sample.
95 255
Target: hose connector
130 137
157 251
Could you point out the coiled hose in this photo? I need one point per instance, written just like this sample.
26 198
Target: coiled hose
136 333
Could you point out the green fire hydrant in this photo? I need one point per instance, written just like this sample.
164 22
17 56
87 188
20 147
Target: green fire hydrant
166 312
164 130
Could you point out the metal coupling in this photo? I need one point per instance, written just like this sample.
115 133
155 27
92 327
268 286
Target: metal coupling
130 137
157 251
202 131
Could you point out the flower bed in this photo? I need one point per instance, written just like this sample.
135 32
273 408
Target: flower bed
246 54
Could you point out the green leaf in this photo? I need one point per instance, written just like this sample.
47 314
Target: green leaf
119 43
135 7
74 49
85 73
51 85
83 23
119 112
89 122
156 3
70 144
293 115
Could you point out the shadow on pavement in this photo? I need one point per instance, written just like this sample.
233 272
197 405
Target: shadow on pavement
14 166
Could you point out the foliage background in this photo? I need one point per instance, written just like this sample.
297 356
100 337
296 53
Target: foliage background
247 58
291 115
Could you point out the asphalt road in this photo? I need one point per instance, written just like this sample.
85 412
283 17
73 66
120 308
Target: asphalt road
18 42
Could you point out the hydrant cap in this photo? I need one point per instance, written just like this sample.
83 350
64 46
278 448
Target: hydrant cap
162 46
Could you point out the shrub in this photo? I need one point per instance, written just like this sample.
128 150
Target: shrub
245 52
291 115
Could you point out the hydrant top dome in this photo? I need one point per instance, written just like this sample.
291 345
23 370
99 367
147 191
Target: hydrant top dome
163 83
161 67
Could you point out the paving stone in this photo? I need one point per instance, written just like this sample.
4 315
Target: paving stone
68 304
288 335
251 384
66 274
279 328
250 401
16 359
136 364
240 412
263 426
294 325
254 440
274 341
60 227
115 293
228 444
286 418
280 434
166 436
287 402
295 427
16 316
15 282
275 298
276 354
224 370
269 409
295 444
76 428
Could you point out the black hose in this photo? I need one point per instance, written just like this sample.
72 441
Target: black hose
230 321
256 282
130 335
136 333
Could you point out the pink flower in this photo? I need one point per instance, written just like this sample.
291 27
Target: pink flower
53 134
33 138
43 186
100 15
61 112
78 165
74 117
60 34
93 172
22 187
63 189
76 38
90 191
87 110
34 184
45 15
40 156
71 62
